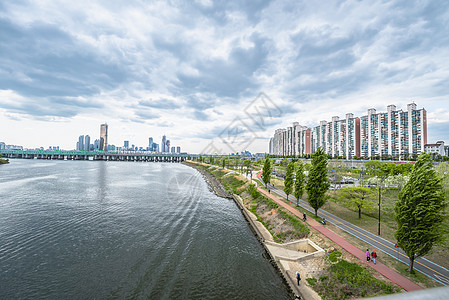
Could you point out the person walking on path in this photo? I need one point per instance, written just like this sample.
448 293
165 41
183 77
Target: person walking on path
367 255
374 256
304 217
298 277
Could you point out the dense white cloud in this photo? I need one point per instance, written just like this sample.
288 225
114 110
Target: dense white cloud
188 70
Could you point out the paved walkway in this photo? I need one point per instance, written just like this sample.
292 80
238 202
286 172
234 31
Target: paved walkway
423 265
381 268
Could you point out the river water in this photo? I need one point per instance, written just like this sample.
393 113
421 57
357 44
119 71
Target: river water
124 230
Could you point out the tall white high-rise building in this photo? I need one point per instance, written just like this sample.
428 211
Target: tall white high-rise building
393 133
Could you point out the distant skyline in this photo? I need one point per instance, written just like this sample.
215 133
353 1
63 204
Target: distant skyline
188 70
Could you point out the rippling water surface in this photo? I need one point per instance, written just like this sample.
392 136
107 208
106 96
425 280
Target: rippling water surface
113 230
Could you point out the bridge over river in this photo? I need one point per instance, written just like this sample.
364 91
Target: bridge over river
94 155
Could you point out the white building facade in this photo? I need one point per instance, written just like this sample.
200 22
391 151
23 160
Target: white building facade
392 133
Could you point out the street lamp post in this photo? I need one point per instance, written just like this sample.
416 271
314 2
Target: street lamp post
378 230
380 188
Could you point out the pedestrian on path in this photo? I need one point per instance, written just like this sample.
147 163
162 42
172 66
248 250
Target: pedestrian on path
304 217
374 256
367 255
298 277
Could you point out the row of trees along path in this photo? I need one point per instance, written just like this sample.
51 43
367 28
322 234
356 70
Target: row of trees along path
419 210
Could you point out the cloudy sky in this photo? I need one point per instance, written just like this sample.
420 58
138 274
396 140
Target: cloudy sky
195 70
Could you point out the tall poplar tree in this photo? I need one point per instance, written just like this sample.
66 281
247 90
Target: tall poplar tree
318 182
420 210
299 181
288 182
266 172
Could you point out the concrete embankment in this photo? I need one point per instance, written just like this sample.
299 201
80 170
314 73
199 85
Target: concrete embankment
284 257
264 236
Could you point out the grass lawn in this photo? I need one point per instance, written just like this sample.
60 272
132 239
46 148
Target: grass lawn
278 183
344 280
369 222
389 261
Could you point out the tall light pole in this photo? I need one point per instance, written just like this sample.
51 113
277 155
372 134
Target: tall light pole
380 188
378 230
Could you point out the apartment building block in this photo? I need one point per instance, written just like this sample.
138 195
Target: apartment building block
394 132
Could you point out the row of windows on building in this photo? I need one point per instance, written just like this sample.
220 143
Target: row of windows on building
392 133
84 144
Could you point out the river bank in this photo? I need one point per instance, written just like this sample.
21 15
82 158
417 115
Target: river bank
275 226
260 231
213 183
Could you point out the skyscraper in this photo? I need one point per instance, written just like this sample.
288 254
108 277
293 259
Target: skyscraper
87 143
167 146
96 145
80 143
150 144
164 139
126 145
104 137
178 149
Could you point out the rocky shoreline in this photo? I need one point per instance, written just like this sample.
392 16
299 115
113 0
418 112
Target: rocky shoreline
213 183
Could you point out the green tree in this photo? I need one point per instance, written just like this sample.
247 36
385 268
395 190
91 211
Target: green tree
396 181
318 182
443 171
223 163
266 172
420 211
307 166
284 163
3 161
247 164
299 181
357 198
288 182
373 167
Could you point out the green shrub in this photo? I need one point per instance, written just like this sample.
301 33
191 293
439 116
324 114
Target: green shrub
231 183
301 228
252 190
311 281
218 173
334 256
350 280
